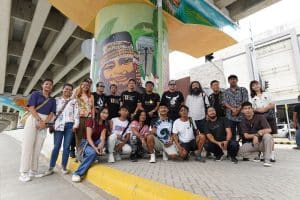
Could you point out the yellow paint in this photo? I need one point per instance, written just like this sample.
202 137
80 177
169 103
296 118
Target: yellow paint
196 40
130 187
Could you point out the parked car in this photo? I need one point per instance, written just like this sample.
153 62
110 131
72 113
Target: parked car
283 131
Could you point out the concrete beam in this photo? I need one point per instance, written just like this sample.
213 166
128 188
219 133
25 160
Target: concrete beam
39 18
74 78
8 110
50 38
73 60
1 108
60 40
223 3
5 10
244 8
75 44
16 49
23 10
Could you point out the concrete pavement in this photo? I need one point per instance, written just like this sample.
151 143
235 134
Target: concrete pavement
52 187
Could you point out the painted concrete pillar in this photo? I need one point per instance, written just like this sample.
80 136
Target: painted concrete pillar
127 46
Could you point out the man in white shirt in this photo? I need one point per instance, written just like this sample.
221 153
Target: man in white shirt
187 138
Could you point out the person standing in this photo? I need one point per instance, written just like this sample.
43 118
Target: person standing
99 98
42 108
262 104
256 132
218 133
113 102
66 123
93 143
87 110
186 137
198 102
296 123
216 98
234 97
131 98
150 101
173 99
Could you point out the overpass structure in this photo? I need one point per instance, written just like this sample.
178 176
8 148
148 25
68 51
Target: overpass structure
38 42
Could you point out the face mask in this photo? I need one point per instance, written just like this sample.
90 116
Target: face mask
196 91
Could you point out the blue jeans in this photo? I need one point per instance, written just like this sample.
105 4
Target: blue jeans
298 135
89 156
236 129
67 134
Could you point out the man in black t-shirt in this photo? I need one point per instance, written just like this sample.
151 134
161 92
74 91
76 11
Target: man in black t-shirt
296 123
218 132
113 102
150 100
99 97
216 98
174 99
131 98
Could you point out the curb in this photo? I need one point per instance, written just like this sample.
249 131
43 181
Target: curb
127 186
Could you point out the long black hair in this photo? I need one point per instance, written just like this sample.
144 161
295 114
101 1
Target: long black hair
200 87
136 117
252 92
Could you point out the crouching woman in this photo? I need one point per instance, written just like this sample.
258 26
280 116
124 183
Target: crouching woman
92 144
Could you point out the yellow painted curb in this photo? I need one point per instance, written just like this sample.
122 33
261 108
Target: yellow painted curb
130 187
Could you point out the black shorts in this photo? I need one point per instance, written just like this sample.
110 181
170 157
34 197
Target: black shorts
189 146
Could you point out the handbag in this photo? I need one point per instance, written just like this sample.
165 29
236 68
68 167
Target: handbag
51 125
28 113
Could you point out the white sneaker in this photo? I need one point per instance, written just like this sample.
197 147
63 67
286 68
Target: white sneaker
267 164
64 171
165 156
111 158
76 178
152 158
118 157
24 177
33 174
49 172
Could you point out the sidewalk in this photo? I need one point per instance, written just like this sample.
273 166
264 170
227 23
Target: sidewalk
48 188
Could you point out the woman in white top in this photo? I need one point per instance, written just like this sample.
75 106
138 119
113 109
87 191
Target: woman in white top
198 102
262 104
66 123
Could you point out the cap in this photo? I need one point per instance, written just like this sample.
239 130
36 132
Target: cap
232 76
172 82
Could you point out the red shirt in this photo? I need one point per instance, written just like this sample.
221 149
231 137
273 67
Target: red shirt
97 129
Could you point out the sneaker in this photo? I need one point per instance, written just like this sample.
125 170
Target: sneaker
219 158
152 158
24 177
76 178
49 172
272 160
133 158
256 159
199 158
111 158
65 171
234 160
72 154
118 157
208 155
246 159
33 174
267 164
165 156
296 148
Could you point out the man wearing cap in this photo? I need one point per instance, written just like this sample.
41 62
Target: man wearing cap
173 99
234 97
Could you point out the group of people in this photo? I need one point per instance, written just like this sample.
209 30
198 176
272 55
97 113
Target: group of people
147 124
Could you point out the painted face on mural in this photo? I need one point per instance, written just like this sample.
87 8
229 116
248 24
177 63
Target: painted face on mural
118 62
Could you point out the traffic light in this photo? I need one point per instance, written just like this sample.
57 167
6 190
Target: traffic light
266 85
209 57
